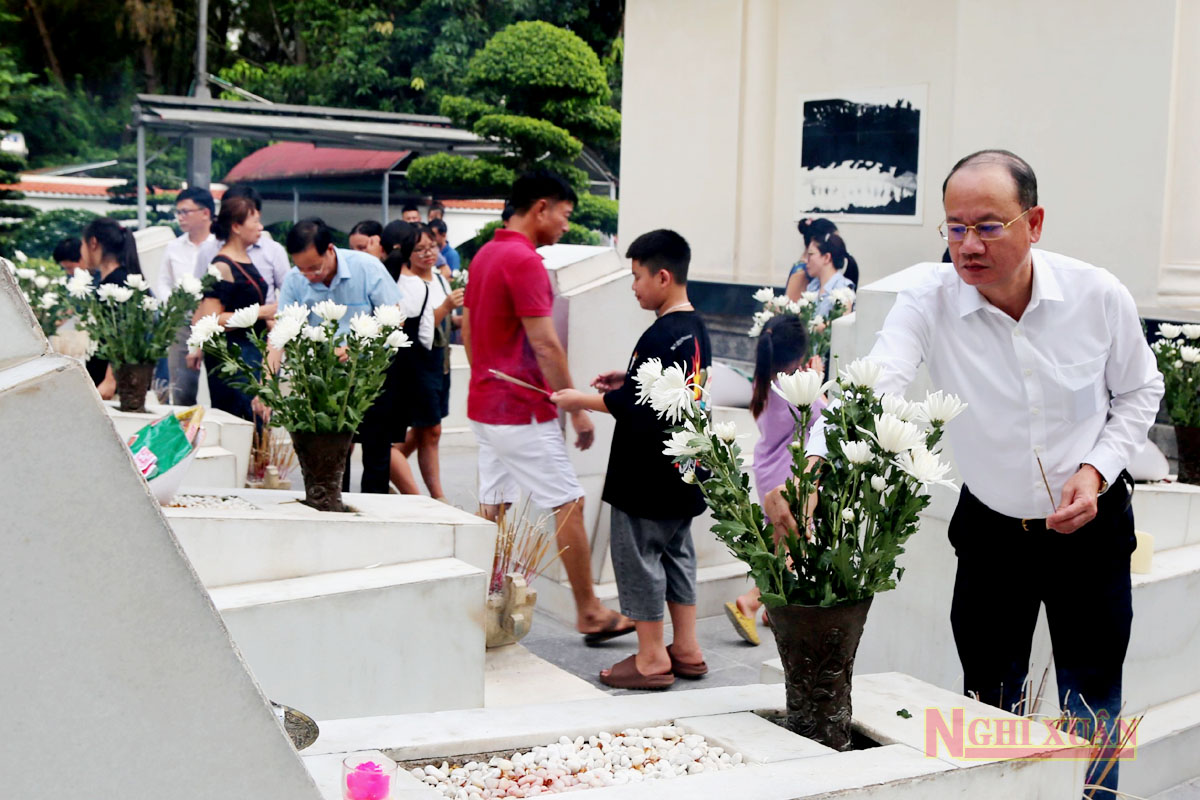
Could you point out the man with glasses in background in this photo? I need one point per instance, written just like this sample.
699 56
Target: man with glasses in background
194 213
1061 390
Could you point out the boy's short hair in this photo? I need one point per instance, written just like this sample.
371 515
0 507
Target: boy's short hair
438 226
538 185
68 250
662 249
410 207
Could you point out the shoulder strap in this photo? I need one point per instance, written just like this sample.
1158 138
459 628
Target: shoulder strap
425 302
261 297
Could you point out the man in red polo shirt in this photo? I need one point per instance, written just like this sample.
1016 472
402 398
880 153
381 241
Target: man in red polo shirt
507 326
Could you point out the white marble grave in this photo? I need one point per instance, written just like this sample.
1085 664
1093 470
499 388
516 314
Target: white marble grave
222 461
782 766
380 611
118 678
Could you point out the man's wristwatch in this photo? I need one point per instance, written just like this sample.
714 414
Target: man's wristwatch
1103 483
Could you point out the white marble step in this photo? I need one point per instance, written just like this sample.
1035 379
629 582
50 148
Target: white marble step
1170 512
362 642
1168 748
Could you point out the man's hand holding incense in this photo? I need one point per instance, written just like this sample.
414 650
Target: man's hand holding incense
1079 501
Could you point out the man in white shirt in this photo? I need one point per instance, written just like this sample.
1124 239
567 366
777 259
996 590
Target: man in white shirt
194 213
1049 354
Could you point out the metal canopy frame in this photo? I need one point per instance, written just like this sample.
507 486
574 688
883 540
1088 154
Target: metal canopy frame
332 127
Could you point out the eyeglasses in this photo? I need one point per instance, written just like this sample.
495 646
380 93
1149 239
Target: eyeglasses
986 231
183 212
426 251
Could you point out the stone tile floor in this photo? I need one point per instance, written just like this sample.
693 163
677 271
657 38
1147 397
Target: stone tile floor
731 661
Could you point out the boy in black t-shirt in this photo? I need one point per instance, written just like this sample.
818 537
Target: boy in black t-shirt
652 508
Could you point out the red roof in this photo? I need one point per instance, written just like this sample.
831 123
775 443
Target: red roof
491 205
58 188
303 160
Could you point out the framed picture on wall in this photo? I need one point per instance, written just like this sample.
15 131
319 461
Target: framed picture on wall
861 155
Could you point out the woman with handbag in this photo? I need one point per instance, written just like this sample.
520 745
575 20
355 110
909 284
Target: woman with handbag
239 225
428 302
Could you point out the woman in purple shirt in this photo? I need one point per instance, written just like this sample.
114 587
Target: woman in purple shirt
782 347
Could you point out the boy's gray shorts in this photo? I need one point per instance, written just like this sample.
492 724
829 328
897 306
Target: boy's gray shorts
654 559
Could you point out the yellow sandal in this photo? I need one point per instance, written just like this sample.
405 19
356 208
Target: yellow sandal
744 625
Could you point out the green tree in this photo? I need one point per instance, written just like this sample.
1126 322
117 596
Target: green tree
531 88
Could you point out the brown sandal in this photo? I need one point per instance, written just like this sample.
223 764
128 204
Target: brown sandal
682 669
624 675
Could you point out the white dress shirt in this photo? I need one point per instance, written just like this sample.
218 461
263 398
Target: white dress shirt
267 256
179 259
414 290
1073 381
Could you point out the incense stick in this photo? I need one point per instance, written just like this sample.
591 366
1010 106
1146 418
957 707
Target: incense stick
1045 482
518 381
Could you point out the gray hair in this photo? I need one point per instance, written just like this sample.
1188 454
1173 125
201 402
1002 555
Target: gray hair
1018 168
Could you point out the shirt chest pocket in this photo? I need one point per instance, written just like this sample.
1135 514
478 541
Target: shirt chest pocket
1082 389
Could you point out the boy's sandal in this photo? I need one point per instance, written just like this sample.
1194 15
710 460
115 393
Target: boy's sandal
610 631
682 669
624 675
743 625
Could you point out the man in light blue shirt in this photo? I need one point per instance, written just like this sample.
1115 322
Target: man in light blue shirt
359 282
323 272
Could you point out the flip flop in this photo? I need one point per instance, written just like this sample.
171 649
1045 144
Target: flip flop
682 669
610 631
743 625
624 675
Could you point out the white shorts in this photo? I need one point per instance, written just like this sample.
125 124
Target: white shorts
529 457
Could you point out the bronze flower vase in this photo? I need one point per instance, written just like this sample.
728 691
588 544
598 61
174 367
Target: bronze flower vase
817 646
133 381
322 458
1187 445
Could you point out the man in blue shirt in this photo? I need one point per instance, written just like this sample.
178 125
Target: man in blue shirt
359 282
438 226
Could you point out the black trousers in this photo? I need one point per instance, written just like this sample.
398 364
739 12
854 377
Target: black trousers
376 461
1006 572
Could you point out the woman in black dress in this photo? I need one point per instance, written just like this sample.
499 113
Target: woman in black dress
110 252
239 225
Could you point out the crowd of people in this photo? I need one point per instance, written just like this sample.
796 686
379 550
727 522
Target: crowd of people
1046 351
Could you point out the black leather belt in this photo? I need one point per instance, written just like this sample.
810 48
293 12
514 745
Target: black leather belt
1118 497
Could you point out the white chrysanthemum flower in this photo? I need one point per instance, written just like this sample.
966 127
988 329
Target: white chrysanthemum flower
646 376
684 443
191 284
1160 345
296 311
779 302
243 317
843 296
896 405
878 483
801 388
726 431
688 476
924 467
150 303
203 330
315 333
816 322
80 284
284 331
760 319
794 307
365 327
755 331
1191 331
329 310
397 339
895 435
389 316
1189 354
25 273
805 301
764 294
940 408
137 282
671 397
105 291
49 300
862 372
1169 330
848 514
811 297
857 452
1178 364
121 293
17 254
41 281
213 272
